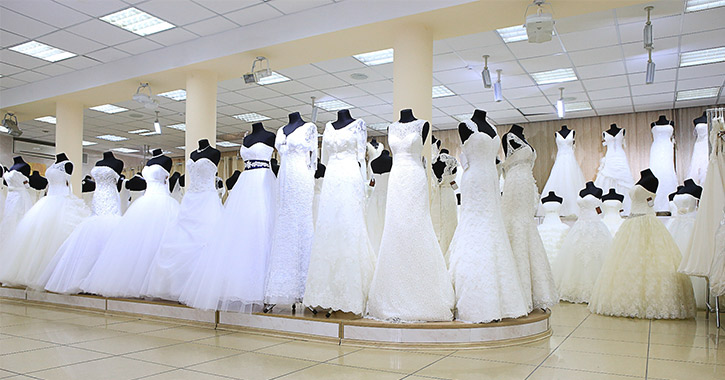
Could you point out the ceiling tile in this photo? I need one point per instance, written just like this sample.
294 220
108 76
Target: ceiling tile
48 12
601 70
372 75
10 82
700 71
588 39
441 47
474 40
138 46
176 12
340 64
610 103
107 54
704 40
102 32
524 49
53 70
703 21
532 111
232 84
636 13
595 56
225 6
653 106
457 76
94 8
365 101
468 87
551 62
253 14
232 98
259 92
663 75
386 70
10 39
345 92
498 54
172 36
70 42
571 96
663 27
695 83
20 60
662 62
448 61
504 114
604 83
211 26
588 21
29 76
289 87
378 87
299 72
503 121
619 92
450 101
653 98
696 103
521 92
293 6
614 110
662 46
386 96
530 102
6 69
569 87
22 25
323 82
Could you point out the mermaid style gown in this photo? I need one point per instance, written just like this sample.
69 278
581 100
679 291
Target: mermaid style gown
662 164
698 162
566 178
552 230
614 169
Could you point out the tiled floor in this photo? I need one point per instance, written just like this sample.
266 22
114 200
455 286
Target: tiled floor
50 343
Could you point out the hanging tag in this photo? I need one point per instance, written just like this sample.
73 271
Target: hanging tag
454 185
650 202
599 210
372 182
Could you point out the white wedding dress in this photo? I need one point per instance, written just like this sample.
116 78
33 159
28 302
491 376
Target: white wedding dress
552 230
75 258
698 161
639 277
231 275
444 207
611 215
289 258
17 203
614 169
681 225
125 261
42 231
582 254
662 164
342 260
411 282
717 275
520 199
372 152
375 210
482 264
316 199
185 243
566 178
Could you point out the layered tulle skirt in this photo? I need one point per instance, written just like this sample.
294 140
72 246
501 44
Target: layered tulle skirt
580 260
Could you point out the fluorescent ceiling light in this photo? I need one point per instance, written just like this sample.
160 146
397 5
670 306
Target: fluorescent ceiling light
274 78
375 57
111 138
513 33
378 126
251 117
699 5
554 76
441 91
333 105
178 127
699 93
137 21
137 131
47 119
42 51
88 143
109 108
701 57
125 150
181 147
577 106
149 133
226 144
175 95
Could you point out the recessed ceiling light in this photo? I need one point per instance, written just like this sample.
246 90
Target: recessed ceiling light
375 57
333 105
111 138
513 33
125 150
42 51
150 133
88 143
178 127
554 76
358 76
137 21
442 91
699 5
109 108
175 95
701 57
137 131
699 93
226 144
272 79
577 106
47 119
379 126
251 117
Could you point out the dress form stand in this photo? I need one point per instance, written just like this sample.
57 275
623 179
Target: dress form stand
232 180
343 119
517 131
406 116
158 158
478 118
295 121
259 135
205 150
21 166
662 161
552 230
37 181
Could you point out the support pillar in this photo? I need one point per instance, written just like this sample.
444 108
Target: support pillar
69 137
201 87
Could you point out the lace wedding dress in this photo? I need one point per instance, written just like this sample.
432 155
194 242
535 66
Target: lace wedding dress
566 178
17 203
520 200
444 207
698 161
411 282
42 231
125 261
639 277
375 210
611 215
552 230
342 260
289 258
717 274
482 264
3 196
681 225
184 244
316 199
662 164
582 253
614 172
75 258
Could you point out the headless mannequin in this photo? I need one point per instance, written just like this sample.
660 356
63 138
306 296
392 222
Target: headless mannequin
613 194
479 118
406 116
259 135
295 121
136 183
275 166
109 160
672 195
21 166
440 166
182 181
36 181
662 121
320 171
60 157
233 179
648 181
119 184
436 142
173 180
614 130
564 131
701 120
383 163
343 119
518 131
159 159
88 185
552 197
690 187
590 189
374 143
205 151
219 183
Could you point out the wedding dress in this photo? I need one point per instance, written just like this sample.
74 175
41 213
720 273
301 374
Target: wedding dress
520 200
289 258
373 152
342 260
614 169
232 273
698 161
411 282
552 230
42 230
375 210
75 258
566 178
717 274
316 199
611 217
125 195
444 208
123 264
482 264
662 164
184 244
3 196
582 253
681 225
639 277
17 203
176 192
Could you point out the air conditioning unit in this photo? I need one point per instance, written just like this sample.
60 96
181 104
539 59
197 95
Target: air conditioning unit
34 148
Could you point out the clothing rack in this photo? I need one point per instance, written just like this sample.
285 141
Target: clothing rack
713 113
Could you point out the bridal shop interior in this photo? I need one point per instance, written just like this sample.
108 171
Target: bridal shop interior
298 189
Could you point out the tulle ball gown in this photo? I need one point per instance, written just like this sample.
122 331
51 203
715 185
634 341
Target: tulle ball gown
566 177
231 276
482 264
17 203
342 260
662 164
42 230
614 172
582 253
611 216
75 258
411 281
123 264
552 230
639 277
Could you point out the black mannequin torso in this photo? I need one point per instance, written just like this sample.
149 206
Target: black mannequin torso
564 131
159 159
320 171
406 116
591 189
374 142
21 166
88 185
517 131
648 181
439 166
259 135
119 183
182 181
552 197
219 183
60 157
690 187
613 194
109 160
701 120
672 195
37 181
136 183
478 118
662 121
173 179
295 121
383 163
275 166
207 151
232 179
614 130
343 119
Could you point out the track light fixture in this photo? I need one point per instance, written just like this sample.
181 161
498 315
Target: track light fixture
257 75
497 94
560 111
157 125
485 74
649 46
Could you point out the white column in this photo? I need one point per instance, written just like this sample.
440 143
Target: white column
69 137
201 89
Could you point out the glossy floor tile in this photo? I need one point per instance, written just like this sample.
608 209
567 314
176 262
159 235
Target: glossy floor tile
43 342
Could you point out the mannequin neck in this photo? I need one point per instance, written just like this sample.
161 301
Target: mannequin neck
406 116
343 119
258 128
479 116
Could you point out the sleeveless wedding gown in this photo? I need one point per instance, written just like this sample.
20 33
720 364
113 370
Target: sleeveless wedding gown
698 162
289 258
566 178
610 215
662 164
17 203
681 225
342 260
482 264
520 200
375 210
614 172
552 230
411 282
75 258
444 208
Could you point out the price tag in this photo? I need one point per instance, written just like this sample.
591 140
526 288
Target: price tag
372 182
454 185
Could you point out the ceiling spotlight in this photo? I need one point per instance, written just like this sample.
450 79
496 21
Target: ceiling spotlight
147 100
256 76
650 70
9 125
649 46
497 93
485 74
157 125
539 26
560 111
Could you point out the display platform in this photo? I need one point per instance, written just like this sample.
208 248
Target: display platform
340 328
